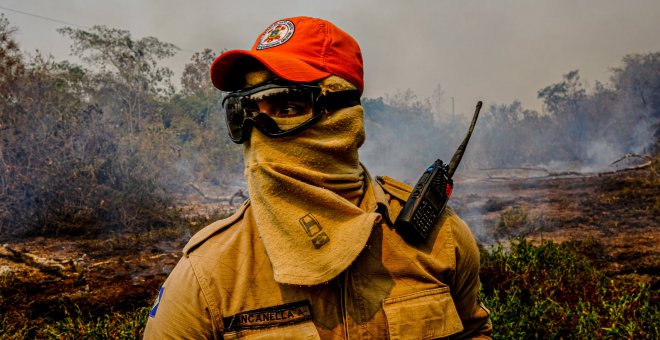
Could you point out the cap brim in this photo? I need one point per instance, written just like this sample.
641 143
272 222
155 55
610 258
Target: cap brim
283 65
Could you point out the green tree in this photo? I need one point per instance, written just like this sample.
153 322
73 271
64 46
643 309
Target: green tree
565 96
637 84
129 80
196 116
11 59
565 102
509 136
62 169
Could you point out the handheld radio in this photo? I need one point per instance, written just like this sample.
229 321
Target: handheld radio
430 195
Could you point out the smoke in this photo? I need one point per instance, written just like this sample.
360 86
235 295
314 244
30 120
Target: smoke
404 137
601 152
154 143
580 131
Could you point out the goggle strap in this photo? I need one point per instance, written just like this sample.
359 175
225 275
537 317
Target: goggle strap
339 100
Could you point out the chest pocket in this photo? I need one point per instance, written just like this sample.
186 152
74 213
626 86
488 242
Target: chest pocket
303 330
428 314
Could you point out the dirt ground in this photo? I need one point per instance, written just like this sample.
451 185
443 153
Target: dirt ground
615 215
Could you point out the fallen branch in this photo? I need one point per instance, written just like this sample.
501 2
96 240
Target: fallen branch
519 172
648 163
96 264
225 199
47 265
631 155
565 173
641 166
517 168
114 261
636 167
163 255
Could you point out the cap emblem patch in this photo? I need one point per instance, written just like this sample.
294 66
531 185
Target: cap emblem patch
276 34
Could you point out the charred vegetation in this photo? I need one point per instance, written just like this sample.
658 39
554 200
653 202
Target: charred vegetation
96 201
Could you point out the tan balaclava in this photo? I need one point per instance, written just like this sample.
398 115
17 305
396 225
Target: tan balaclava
305 191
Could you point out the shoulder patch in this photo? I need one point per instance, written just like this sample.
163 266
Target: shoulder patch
214 228
154 309
285 314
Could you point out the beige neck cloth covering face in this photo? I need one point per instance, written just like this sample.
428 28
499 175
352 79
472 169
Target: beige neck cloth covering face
304 192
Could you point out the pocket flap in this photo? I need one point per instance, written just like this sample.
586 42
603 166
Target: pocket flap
428 314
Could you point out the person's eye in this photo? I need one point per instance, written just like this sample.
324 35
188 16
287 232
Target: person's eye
291 110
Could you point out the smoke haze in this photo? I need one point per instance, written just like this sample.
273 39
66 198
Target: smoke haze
156 139
495 51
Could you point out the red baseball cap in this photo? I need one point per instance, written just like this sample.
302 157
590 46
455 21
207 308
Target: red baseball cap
301 50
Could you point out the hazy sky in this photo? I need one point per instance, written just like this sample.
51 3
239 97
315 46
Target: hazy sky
497 51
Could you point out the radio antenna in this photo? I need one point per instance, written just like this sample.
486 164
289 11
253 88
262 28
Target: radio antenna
453 164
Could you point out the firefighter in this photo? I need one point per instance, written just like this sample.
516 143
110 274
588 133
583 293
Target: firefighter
313 253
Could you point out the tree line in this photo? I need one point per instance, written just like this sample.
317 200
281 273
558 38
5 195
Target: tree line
104 145
107 144
578 128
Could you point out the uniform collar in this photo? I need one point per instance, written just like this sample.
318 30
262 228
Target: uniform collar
374 198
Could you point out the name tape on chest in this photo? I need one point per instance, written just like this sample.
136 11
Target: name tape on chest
269 317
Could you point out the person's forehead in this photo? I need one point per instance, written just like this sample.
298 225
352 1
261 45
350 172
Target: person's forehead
256 77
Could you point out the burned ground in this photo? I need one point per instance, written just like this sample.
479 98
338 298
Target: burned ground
611 217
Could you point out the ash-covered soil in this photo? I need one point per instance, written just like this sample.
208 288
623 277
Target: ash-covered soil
612 217
117 273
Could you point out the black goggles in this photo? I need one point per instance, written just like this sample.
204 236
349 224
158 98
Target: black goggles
279 110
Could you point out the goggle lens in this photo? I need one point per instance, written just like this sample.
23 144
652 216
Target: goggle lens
235 119
276 110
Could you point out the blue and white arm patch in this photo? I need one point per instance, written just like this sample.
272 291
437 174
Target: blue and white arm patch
154 309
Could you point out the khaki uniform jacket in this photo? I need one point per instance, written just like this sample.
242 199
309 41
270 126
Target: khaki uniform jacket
223 286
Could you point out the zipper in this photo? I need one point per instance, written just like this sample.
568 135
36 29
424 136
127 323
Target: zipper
342 300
